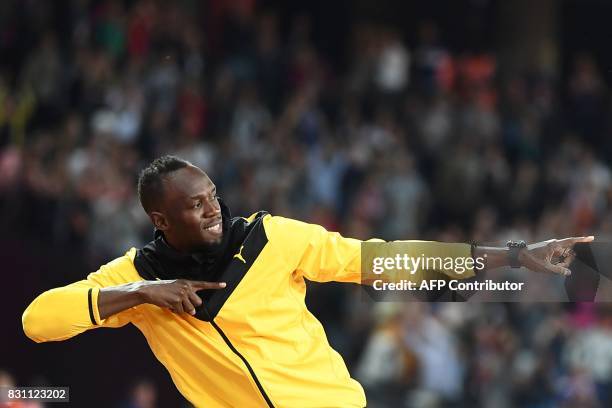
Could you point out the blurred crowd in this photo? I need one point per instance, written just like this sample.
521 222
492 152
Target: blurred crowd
403 141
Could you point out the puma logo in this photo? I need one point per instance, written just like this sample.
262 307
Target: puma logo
239 255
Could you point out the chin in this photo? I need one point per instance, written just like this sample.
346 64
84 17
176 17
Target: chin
212 241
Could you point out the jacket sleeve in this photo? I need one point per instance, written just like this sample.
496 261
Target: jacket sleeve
61 313
315 253
323 256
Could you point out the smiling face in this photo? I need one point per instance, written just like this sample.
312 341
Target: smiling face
189 213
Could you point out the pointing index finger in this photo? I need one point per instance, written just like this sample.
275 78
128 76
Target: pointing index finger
199 285
583 239
574 240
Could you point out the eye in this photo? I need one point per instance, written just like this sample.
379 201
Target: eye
213 197
198 204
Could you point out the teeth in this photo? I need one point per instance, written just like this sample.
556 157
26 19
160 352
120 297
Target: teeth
214 228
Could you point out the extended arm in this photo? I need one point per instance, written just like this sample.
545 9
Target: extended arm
324 256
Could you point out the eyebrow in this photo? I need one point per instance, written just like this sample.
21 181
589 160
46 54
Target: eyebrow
213 190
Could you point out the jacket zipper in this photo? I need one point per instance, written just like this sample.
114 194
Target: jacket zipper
244 360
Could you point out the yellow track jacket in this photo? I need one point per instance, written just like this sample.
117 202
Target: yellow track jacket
261 347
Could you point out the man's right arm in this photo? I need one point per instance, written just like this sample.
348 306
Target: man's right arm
61 313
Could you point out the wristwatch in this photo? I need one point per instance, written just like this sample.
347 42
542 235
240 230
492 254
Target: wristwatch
514 247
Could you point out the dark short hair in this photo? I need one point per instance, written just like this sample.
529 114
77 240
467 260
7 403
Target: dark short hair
150 180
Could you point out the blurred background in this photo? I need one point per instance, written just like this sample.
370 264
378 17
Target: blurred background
448 120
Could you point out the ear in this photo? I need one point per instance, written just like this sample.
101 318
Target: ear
159 220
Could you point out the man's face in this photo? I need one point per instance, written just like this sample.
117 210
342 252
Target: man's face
190 214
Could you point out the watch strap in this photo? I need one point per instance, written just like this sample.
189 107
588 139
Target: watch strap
514 248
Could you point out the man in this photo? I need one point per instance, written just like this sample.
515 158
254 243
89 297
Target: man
220 300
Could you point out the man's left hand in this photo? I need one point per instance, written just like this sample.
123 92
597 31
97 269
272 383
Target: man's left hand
551 256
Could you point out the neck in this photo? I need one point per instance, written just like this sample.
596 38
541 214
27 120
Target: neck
174 244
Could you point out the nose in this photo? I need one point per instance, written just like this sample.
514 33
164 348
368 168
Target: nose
212 209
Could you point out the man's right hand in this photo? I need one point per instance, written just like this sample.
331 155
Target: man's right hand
178 295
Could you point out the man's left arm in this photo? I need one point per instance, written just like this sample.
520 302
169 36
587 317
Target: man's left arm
323 256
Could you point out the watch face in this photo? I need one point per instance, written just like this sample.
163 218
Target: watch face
516 244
